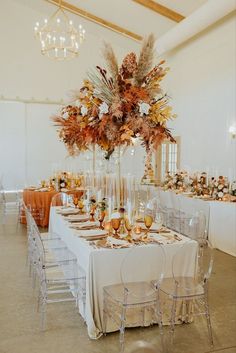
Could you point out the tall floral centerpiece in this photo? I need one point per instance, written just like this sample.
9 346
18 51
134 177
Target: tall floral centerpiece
118 104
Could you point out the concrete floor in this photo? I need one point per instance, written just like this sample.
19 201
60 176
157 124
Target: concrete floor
66 331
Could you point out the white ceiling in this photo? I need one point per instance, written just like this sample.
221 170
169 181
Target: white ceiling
136 17
124 13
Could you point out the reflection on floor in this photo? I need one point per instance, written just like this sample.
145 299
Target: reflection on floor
66 332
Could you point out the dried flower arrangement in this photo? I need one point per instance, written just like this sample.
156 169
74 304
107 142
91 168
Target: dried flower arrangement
119 104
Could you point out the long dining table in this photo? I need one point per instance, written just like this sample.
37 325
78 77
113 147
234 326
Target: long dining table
102 268
221 217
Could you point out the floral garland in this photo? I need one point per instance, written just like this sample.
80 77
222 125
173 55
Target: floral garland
119 104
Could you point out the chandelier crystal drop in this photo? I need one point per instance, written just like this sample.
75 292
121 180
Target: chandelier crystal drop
59 38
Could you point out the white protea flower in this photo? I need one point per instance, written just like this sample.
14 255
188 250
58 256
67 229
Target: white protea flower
84 110
144 108
66 115
103 109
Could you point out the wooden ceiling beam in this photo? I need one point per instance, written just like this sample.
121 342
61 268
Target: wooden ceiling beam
98 20
161 10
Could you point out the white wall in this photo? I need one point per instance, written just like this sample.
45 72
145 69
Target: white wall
12 143
27 74
30 149
202 84
29 146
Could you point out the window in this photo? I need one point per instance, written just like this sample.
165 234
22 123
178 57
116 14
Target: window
167 158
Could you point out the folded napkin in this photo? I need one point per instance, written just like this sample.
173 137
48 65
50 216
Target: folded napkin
77 218
42 189
91 233
31 188
160 239
85 225
118 242
68 211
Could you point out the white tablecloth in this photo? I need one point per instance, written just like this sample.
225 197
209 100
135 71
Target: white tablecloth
222 218
102 268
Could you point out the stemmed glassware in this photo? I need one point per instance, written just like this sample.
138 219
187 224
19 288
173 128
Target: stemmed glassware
100 216
92 212
81 206
128 226
115 222
148 220
159 219
75 200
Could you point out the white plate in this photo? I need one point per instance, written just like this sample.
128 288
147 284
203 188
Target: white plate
68 211
81 225
77 217
91 233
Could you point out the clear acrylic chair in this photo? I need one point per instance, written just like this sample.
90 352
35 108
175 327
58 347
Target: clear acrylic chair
178 217
30 221
165 206
37 212
60 278
60 199
192 286
10 203
195 227
51 243
135 291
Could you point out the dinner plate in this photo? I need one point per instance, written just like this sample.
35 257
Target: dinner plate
84 225
77 218
68 211
91 233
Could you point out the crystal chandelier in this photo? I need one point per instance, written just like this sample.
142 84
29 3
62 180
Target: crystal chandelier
59 39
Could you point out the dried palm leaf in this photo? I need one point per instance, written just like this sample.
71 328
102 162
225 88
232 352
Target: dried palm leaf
145 59
111 61
102 91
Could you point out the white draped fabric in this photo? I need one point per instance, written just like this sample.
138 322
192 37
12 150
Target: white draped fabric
102 267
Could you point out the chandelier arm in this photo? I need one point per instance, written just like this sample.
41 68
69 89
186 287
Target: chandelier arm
59 39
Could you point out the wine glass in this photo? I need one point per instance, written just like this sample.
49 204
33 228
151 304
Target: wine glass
159 219
100 216
148 220
75 200
128 226
92 212
81 206
115 222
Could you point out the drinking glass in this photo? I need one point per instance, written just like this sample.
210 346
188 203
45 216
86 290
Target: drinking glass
148 220
128 226
159 220
75 200
81 206
100 215
92 212
115 222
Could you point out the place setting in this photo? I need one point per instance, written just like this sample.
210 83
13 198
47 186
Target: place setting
120 229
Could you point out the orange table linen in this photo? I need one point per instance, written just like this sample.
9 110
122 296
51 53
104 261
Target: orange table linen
42 200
